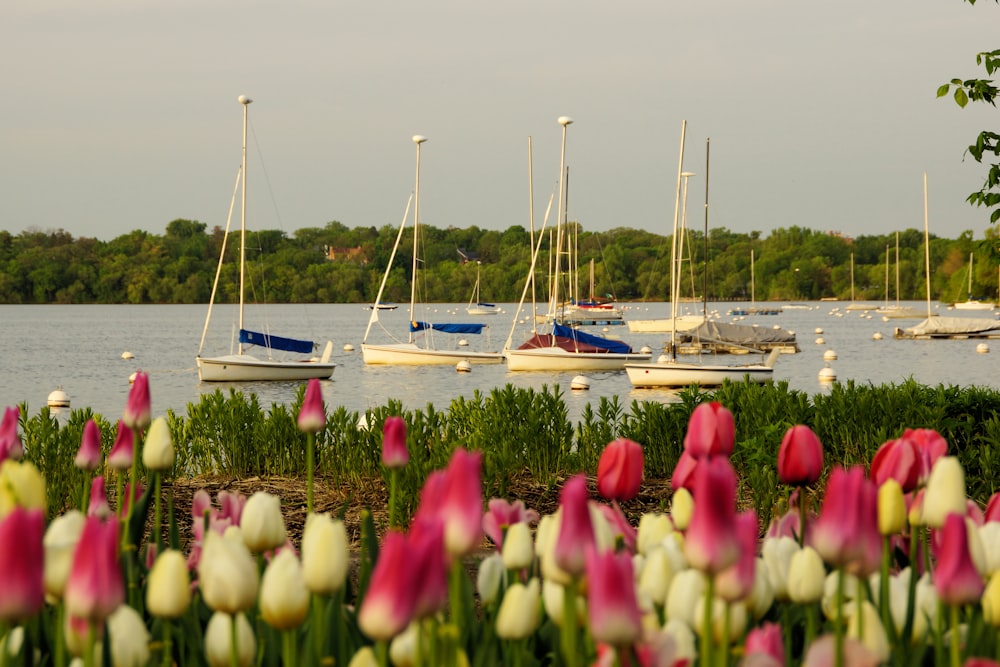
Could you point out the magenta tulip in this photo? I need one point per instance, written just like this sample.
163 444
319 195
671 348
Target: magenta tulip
619 470
312 416
623 531
800 457
429 567
611 603
95 586
88 457
898 460
683 475
846 533
98 504
394 452
137 410
930 447
711 543
501 514
388 605
120 456
576 532
455 496
956 579
22 559
711 431
992 512
10 442
766 639
736 582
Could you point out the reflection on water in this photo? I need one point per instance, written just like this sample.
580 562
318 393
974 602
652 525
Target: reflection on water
80 349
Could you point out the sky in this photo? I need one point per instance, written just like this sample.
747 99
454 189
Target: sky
118 115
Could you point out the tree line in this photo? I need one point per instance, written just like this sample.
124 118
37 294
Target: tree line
337 264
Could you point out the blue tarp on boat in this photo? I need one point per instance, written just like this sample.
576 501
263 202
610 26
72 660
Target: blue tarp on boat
616 346
276 342
453 328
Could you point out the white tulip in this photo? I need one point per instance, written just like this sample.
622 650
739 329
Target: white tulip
284 598
227 574
60 542
158 448
262 525
168 589
518 549
325 554
129 638
218 640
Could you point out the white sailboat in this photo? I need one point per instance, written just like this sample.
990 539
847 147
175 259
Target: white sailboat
242 367
970 303
855 305
409 352
476 305
564 348
668 371
895 311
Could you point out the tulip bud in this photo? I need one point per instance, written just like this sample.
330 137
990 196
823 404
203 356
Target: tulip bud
576 529
96 585
800 457
394 452
284 598
21 561
711 431
168 589
656 575
137 411
21 485
945 491
991 601
891 508
519 612
989 535
762 594
60 543
325 555
777 553
955 578
10 442
805 576
389 603
518 549
403 648
653 527
681 508
98 504
120 456
687 587
491 570
867 628
129 637
736 622
619 470
227 574
218 641
158 450
364 657
262 525
88 457
312 416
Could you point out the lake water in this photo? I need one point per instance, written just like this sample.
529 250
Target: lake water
79 348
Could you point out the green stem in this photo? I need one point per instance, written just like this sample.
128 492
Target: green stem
318 626
786 625
859 602
838 625
810 625
88 646
706 624
157 483
911 590
956 655
289 655
393 497
802 517
883 587
60 635
4 641
568 634
724 656
167 648
85 496
234 650
310 454
382 653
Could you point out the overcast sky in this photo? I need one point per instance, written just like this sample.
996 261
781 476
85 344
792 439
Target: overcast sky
119 115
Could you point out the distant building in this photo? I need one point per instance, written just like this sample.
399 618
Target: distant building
354 255
466 256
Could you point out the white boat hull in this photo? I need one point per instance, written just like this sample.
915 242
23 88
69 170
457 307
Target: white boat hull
680 374
244 368
973 305
684 323
558 359
408 354
482 311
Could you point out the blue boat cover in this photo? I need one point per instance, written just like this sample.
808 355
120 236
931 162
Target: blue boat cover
276 342
453 328
616 346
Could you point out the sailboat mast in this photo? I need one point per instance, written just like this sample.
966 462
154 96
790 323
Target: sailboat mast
565 121
531 237
897 268
970 276
245 101
704 289
417 139
673 283
852 277
927 250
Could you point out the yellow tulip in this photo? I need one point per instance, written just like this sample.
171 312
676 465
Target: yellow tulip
129 638
21 485
284 598
168 589
681 508
891 508
991 601
805 576
519 614
262 525
218 641
158 449
227 574
945 492
60 542
518 550
325 554
653 527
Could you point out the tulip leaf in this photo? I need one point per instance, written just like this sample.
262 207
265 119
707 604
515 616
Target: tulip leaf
369 552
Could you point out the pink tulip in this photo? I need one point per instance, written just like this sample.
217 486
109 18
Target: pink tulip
977 661
620 527
137 412
711 431
388 605
502 514
956 579
898 460
766 639
800 457
846 532
611 603
789 524
576 533
95 586
992 508
930 447
394 452
822 653
10 442
22 561
98 504
736 581
120 456
455 496
711 543
619 471
88 457
312 416
429 568
683 475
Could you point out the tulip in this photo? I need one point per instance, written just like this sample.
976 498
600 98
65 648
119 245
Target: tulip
364 657
800 457
518 617
619 470
736 581
714 627
21 564
683 474
687 587
501 515
611 602
554 600
10 442
891 508
129 638
762 594
262 524
518 551
681 508
653 528
325 554
576 530
767 640
711 431
991 601
866 627
394 452
821 653
992 512
989 536
227 574
312 415
898 460
777 553
98 505
388 605
428 566
455 496
284 598
711 544
846 533
168 590
956 580
120 456
158 450
403 648
614 518
137 412
219 641
95 586
805 576
21 485
930 447
656 576
491 570
60 543
945 492
88 457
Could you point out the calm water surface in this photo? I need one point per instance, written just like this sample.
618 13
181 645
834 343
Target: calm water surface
79 348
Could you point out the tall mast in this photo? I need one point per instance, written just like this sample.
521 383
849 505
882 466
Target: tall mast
927 250
674 292
565 121
704 289
417 139
245 101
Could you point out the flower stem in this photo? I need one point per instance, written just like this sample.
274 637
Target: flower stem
883 585
234 655
310 454
157 484
911 591
288 649
393 497
382 653
706 623
838 625
568 630
85 496
60 635
956 656
802 517
167 650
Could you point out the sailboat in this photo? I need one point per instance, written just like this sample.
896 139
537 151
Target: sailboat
476 305
668 371
855 305
409 352
242 367
895 311
564 348
970 303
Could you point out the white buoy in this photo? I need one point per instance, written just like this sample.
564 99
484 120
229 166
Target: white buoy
463 366
645 349
580 382
777 327
463 343
59 399
127 355
983 348
876 336
819 330
662 359
827 374
363 422
821 341
348 347
605 330
829 355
